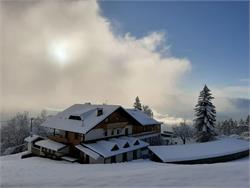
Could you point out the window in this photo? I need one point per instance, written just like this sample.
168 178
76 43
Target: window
99 111
105 133
75 117
126 131
118 131
136 142
112 132
66 134
135 154
87 159
113 159
126 145
115 148
76 136
124 157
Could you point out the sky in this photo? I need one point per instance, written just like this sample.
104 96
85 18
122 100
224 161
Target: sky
214 36
57 53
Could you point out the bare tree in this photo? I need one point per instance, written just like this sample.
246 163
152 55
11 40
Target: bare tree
183 131
13 134
37 129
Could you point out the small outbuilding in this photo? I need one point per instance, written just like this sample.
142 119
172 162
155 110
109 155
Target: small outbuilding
114 150
209 152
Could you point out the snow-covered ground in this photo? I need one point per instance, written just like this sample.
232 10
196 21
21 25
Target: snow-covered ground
42 172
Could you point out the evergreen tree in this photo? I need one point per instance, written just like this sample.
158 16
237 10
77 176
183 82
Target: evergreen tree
248 121
147 110
205 116
137 103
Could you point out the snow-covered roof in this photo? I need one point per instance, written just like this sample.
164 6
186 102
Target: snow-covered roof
31 138
120 142
104 148
50 144
87 113
89 152
141 117
186 152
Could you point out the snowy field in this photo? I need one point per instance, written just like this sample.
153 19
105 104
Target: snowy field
41 172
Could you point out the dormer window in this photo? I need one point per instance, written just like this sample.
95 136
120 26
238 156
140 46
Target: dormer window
126 145
75 117
115 148
136 142
99 111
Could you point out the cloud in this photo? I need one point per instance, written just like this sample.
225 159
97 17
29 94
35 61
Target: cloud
64 52
168 120
245 80
242 91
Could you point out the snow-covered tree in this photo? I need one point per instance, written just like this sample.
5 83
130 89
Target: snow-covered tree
13 134
248 121
36 128
147 110
137 103
183 131
205 116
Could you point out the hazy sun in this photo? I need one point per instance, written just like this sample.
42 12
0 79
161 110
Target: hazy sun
59 51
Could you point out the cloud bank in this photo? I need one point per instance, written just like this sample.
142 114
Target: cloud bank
59 53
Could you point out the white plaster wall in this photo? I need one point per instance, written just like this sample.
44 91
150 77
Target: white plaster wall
29 147
119 158
129 129
144 152
108 160
100 160
138 154
94 134
130 155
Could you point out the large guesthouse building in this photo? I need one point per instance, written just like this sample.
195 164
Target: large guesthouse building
97 134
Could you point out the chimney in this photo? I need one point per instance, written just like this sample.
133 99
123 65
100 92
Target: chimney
99 111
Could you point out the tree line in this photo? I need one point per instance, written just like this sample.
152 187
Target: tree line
15 130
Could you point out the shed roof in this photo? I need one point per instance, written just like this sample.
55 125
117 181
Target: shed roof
31 138
88 151
186 152
50 144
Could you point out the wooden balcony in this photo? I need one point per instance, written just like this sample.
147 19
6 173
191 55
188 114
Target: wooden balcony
59 138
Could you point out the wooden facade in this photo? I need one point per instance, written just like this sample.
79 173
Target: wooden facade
118 123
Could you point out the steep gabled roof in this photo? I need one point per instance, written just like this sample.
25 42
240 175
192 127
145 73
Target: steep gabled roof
141 117
81 118
87 114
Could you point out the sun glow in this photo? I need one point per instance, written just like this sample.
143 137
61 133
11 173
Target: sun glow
60 52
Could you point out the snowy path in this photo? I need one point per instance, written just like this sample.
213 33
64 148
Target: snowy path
40 172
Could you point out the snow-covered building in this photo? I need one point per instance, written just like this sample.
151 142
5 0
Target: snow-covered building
97 134
168 138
